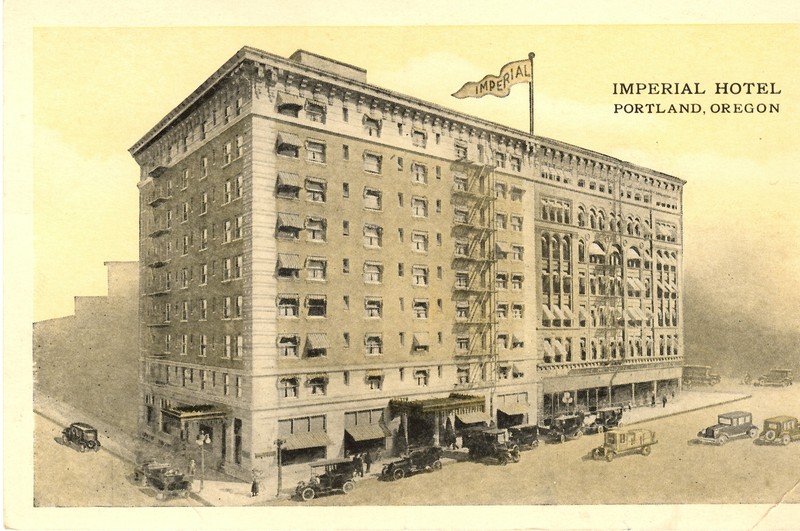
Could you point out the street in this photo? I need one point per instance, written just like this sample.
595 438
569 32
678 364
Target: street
678 471
65 477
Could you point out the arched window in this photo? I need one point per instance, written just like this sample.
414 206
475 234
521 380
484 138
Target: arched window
581 217
629 227
637 228
545 246
581 251
581 283
592 219
601 220
583 348
565 249
545 284
556 284
660 318
647 288
555 247
633 258
567 284
597 254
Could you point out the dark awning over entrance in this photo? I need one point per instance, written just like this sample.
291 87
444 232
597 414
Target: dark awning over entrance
455 403
197 412
475 417
310 439
367 432
513 409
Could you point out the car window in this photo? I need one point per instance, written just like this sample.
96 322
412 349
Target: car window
725 420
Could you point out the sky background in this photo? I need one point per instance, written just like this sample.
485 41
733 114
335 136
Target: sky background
97 91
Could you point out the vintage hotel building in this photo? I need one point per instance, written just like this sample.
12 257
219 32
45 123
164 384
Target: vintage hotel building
334 266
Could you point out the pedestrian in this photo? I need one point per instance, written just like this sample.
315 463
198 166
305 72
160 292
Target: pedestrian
368 461
664 401
358 465
192 467
673 393
254 487
653 400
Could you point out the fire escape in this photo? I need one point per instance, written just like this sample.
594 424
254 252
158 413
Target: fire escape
475 265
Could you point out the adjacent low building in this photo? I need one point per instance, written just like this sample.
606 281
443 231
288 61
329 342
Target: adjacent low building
330 267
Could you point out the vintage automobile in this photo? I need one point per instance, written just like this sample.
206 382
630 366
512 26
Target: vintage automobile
163 478
618 442
780 430
491 444
777 377
525 436
603 419
81 435
417 460
563 427
332 475
732 425
699 375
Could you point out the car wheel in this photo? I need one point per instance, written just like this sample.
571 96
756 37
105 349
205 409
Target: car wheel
579 434
83 447
398 473
786 439
722 439
646 451
562 438
610 456
600 429
503 460
348 487
786 384
437 465
91 445
752 433
770 435
307 494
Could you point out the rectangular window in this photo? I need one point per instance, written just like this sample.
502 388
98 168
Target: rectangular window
316 268
315 111
419 173
288 305
516 163
203 309
237 266
239 146
346 302
373 273
517 252
228 346
500 191
420 275
227 231
516 194
237 309
502 311
315 151
345 265
345 152
238 223
226 308
372 126
345 190
462 280
375 383
185 216
315 190
227 153
421 377
461 150
502 341
203 351
500 221
516 223
346 340
227 192
420 308
373 235
203 203
419 138
372 199
500 160
288 185
316 229
345 114
372 163
516 281
289 387
517 311
419 207
204 167
462 343
345 228
317 306
237 188
419 241
373 345
501 281
373 308
462 310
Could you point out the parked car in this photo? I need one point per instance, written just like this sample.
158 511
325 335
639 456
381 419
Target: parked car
81 435
332 475
780 430
618 442
732 425
492 444
604 419
565 427
777 377
163 478
699 375
525 436
418 460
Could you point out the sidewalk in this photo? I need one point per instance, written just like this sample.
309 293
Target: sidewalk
234 493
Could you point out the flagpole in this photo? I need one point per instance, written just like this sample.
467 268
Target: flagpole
531 55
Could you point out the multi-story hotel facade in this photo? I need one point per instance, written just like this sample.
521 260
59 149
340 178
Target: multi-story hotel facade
330 267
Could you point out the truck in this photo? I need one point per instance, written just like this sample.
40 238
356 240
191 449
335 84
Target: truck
699 375
618 442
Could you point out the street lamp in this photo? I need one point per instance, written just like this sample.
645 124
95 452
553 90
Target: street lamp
279 443
202 440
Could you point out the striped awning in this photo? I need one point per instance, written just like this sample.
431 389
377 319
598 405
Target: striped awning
290 139
548 313
311 439
286 178
316 341
548 348
568 315
367 432
374 373
290 220
473 417
559 313
284 99
560 348
289 261
596 250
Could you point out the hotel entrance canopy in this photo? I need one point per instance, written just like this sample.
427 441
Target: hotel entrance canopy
195 413
455 403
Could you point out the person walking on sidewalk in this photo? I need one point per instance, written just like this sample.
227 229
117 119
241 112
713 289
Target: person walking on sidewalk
358 464
256 486
192 467
368 461
664 401
653 400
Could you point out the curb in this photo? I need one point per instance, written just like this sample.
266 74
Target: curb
698 408
105 447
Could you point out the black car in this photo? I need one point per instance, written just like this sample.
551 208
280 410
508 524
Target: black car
604 419
332 475
491 444
525 436
163 478
565 427
81 435
419 460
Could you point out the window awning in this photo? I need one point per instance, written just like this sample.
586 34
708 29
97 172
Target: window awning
548 313
473 417
286 99
560 350
317 376
513 409
630 315
595 250
286 178
315 186
290 139
422 339
568 315
503 247
289 261
374 116
548 348
559 313
637 313
196 412
317 102
374 373
316 341
631 282
290 220
311 439
367 432
584 314
632 254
